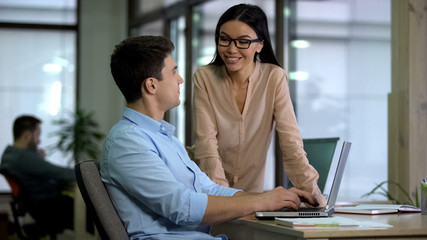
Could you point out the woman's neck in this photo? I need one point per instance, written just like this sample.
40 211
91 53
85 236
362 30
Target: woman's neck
241 77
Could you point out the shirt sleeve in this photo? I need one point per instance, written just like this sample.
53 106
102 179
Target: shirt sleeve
136 167
206 146
211 188
295 161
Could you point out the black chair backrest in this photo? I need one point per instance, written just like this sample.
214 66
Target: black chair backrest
98 202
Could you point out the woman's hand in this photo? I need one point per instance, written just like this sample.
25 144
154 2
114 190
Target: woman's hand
305 197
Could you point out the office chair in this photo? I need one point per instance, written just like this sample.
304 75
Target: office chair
98 202
30 231
320 152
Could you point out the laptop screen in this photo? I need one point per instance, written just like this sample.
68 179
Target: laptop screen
338 174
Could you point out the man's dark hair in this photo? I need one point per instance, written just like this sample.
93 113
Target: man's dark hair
136 59
24 123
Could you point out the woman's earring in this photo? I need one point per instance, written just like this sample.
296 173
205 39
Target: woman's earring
257 58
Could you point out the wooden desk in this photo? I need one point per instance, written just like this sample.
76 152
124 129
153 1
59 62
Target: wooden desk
405 226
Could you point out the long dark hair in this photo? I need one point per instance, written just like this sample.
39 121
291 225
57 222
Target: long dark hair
254 17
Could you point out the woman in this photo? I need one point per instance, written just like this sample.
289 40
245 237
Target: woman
238 100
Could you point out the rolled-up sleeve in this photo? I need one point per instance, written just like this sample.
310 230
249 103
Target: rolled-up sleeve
211 188
198 208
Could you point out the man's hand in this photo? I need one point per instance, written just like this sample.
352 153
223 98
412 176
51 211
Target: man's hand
280 197
222 209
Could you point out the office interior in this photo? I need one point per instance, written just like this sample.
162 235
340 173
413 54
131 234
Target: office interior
356 70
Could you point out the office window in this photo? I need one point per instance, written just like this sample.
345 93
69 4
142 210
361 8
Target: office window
342 76
177 114
37 72
37 77
146 6
151 28
38 11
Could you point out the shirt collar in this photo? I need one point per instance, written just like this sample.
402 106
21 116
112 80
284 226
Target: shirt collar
252 78
148 123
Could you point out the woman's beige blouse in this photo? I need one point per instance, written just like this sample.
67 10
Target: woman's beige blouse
232 146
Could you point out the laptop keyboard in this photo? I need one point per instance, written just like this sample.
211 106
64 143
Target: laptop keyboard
304 209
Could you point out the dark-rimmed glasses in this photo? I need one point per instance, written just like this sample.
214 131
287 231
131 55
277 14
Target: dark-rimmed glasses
239 42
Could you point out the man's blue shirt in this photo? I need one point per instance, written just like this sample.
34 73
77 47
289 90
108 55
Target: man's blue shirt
157 190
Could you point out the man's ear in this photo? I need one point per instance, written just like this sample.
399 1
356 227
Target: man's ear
149 85
27 136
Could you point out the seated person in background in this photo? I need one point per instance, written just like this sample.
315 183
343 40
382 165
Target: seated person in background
40 179
157 190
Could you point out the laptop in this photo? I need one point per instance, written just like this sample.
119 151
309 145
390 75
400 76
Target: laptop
307 212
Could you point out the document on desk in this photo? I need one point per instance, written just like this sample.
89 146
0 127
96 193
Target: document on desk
332 222
373 209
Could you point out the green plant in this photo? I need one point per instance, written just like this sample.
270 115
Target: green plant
78 135
380 190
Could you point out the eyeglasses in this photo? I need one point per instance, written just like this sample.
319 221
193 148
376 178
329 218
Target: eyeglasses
239 43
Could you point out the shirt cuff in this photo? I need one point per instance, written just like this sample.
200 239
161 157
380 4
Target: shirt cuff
198 205
231 191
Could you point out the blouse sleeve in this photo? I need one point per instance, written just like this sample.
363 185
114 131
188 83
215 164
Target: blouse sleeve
206 146
295 162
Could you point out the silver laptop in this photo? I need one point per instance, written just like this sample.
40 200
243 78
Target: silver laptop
327 211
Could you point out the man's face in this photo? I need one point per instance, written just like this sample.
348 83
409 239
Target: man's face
35 138
169 85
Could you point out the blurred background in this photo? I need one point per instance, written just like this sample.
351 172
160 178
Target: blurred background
55 57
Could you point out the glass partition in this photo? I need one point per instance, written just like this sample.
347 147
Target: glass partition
37 67
342 76
151 28
146 6
38 12
177 115
38 77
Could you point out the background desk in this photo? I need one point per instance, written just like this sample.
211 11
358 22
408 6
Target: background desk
405 226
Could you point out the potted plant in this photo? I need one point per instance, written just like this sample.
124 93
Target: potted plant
380 190
80 137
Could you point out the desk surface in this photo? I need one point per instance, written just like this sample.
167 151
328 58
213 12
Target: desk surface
405 226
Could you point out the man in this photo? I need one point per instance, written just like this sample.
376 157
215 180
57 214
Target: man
40 179
157 190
